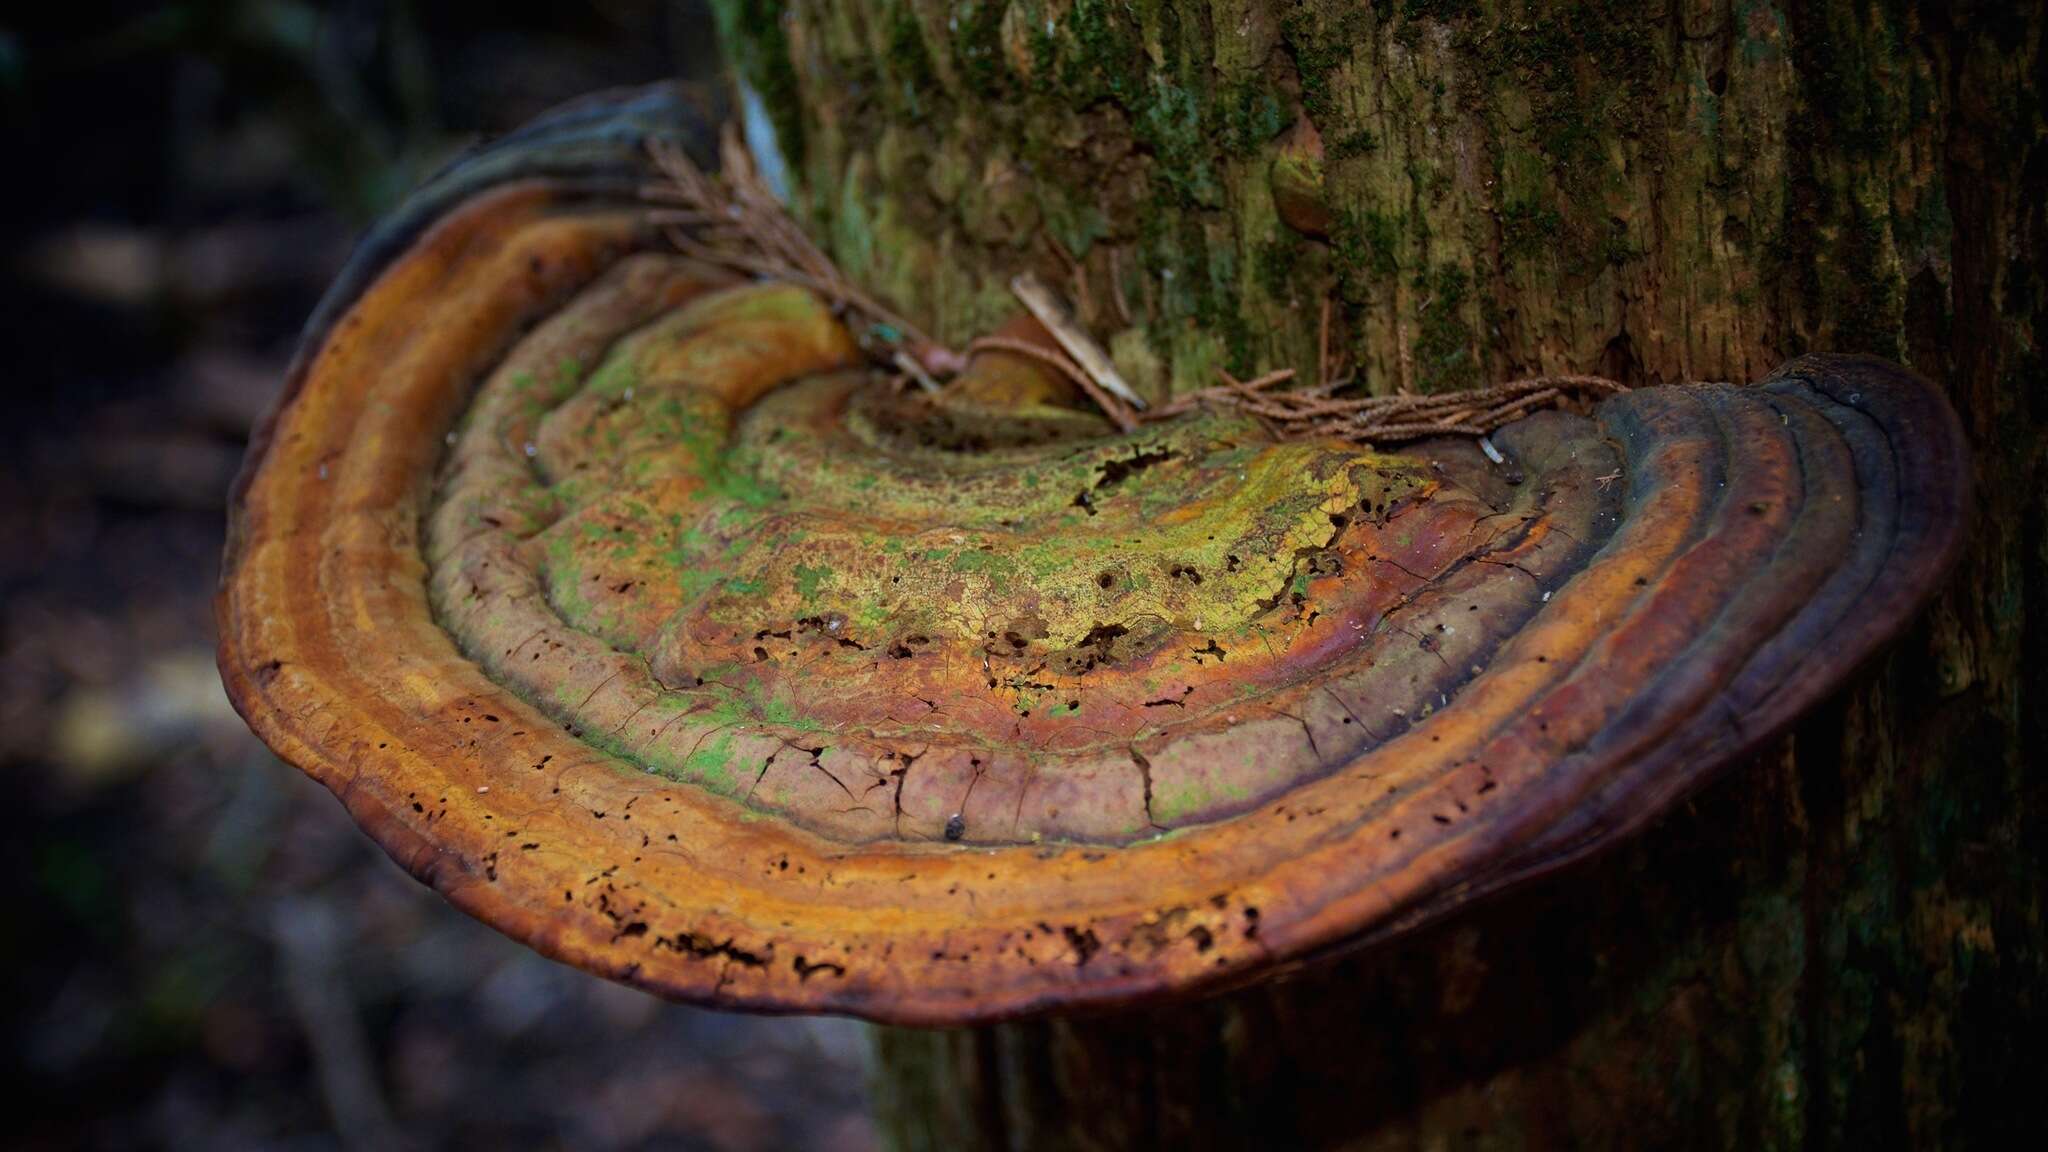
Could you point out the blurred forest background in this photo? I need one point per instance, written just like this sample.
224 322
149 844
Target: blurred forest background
201 951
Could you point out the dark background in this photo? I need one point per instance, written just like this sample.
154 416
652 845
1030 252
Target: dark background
200 949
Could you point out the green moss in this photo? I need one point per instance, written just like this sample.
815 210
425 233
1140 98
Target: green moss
1442 11
808 579
1171 127
1443 348
1045 51
1572 121
710 764
1075 223
1278 264
1320 34
976 44
1359 142
909 61
1195 355
975 562
733 481
1100 55
1249 115
1382 237
1527 227
1367 248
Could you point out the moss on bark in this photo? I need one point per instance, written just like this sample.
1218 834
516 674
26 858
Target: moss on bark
1691 191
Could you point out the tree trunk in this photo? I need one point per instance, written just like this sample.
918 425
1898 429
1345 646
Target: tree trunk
1840 944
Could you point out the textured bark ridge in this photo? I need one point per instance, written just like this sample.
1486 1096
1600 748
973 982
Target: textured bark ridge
624 604
1683 191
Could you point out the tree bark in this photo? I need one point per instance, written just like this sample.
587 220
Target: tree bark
1840 945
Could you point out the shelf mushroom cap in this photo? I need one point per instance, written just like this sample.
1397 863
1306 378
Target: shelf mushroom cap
621 603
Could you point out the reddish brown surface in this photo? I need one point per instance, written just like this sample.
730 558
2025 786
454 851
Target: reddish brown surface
1461 680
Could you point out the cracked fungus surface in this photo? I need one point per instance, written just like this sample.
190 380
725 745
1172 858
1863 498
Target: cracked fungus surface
679 522
617 602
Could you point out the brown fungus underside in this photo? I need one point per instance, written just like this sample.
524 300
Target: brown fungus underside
623 603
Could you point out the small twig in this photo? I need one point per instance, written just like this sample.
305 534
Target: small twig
736 221
1308 412
1051 311
1076 272
1116 286
1110 405
1277 376
310 934
914 370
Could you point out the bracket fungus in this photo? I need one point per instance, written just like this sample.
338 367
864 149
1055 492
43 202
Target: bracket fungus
623 603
